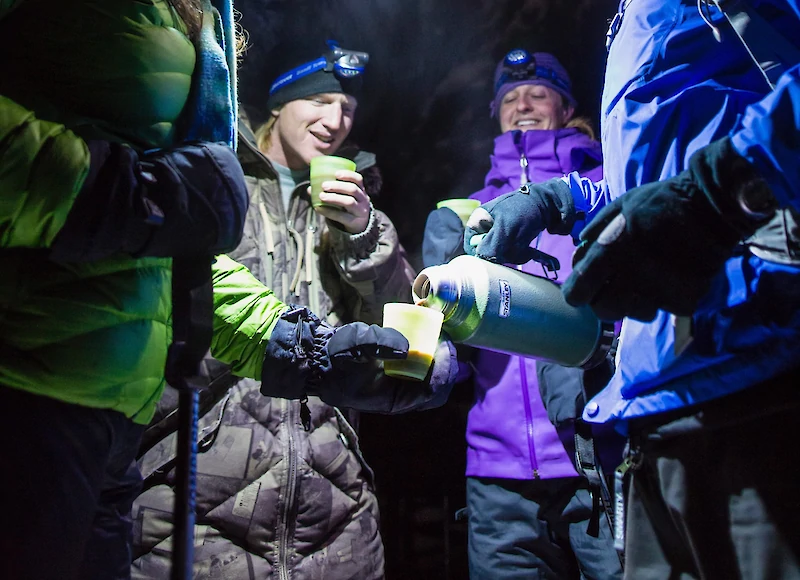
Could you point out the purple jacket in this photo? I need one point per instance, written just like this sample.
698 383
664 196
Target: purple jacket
508 432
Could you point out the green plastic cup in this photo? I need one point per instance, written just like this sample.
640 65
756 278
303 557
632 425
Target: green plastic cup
421 326
462 206
324 168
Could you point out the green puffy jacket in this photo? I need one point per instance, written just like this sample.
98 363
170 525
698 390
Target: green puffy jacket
91 334
245 312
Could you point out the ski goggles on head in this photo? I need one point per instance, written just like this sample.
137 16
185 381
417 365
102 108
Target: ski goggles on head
344 63
520 65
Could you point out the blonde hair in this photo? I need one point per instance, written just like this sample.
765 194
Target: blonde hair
264 132
191 13
583 125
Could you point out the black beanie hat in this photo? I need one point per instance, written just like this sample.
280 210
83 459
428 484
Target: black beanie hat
337 71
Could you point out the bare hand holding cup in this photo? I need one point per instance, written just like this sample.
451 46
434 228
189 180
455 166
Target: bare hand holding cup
337 192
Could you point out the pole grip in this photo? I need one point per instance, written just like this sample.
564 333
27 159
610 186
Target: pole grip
192 328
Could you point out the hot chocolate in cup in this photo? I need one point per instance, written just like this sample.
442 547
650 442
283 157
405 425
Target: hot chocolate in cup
421 326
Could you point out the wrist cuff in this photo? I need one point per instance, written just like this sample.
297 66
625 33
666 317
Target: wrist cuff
562 216
296 354
361 244
733 186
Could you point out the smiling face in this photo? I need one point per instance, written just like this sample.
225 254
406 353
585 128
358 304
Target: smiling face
309 127
531 107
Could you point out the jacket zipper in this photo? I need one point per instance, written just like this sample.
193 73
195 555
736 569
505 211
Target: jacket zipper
268 245
523 381
314 288
523 163
289 504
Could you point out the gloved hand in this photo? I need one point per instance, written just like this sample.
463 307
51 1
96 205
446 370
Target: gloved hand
443 238
304 353
660 245
512 221
390 395
187 201
342 366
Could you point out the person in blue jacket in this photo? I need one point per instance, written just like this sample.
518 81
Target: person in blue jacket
693 237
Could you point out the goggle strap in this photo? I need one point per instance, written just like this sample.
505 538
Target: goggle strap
540 72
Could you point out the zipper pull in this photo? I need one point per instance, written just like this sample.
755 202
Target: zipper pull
305 414
523 163
632 461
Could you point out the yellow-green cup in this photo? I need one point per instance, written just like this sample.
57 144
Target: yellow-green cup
421 326
324 168
462 206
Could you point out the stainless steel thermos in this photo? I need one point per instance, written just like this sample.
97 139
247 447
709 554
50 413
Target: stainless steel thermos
499 308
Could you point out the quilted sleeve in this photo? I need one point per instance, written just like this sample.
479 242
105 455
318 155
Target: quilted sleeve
42 168
374 265
245 313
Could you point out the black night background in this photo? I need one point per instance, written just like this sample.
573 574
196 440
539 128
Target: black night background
424 108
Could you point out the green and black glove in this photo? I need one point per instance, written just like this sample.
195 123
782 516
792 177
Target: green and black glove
660 245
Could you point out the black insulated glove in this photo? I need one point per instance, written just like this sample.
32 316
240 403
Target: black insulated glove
370 390
501 230
304 353
187 201
660 245
444 237
342 366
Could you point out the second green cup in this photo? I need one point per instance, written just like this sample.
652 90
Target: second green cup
462 206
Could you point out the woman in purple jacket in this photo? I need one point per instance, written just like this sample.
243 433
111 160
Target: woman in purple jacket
529 510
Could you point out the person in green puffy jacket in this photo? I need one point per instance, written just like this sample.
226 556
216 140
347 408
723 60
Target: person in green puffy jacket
113 161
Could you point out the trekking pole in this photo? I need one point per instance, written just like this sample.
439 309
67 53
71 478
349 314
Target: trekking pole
192 326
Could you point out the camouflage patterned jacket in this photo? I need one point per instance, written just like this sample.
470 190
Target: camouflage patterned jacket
276 501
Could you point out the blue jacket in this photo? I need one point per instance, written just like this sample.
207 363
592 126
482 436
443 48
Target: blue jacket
671 89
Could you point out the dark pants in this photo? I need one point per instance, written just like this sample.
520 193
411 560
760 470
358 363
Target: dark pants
524 530
67 483
718 491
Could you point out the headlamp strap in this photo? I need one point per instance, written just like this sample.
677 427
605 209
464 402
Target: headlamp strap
340 61
297 73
